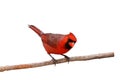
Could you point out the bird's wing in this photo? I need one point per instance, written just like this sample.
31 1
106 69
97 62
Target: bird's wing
52 39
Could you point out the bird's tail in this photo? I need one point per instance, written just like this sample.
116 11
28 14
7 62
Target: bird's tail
35 29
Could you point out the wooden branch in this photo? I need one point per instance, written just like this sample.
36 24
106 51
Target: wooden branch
45 63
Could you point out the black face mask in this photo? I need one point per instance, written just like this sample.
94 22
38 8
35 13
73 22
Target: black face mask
67 46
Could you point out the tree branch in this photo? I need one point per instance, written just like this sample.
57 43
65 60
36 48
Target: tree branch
45 63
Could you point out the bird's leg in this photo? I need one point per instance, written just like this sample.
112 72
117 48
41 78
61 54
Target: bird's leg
53 59
67 58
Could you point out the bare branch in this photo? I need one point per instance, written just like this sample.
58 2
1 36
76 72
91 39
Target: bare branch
45 63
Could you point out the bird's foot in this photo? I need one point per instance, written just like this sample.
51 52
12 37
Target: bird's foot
54 61
67 58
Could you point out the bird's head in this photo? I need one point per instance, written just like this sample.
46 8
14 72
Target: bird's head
71 41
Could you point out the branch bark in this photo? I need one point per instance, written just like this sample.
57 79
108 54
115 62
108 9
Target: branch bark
62 60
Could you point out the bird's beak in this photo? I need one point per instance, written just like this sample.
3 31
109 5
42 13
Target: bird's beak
71 44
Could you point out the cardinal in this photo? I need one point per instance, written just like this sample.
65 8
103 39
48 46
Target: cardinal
56 43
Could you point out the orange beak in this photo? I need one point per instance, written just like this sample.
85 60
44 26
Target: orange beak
71 44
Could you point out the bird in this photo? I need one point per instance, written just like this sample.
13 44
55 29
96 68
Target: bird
56 43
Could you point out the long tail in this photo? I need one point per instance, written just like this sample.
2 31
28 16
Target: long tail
35 29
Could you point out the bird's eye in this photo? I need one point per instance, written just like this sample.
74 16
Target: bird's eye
70 40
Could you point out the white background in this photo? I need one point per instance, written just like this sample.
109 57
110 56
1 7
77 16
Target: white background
96 24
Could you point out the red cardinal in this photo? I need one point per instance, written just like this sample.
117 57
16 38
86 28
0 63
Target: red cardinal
56 43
